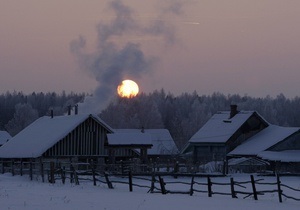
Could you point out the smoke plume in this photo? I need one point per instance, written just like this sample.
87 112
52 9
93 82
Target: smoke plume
110 63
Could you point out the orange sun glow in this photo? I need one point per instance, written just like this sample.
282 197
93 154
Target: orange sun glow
128 89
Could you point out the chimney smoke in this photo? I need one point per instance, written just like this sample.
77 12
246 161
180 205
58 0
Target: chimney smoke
112 61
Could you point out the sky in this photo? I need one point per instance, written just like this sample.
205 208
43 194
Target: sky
232 47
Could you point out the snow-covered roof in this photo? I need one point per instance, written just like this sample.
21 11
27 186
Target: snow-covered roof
246 161
4 136
161 139
42 134
282 156
263 140
219 128
129 139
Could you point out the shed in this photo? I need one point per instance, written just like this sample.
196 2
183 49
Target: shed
67 136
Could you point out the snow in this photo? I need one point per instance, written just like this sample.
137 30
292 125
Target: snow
42 134
18 192
161 139
129 139
220 128
263 140
4 137
282 156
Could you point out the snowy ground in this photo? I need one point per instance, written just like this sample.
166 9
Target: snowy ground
20 193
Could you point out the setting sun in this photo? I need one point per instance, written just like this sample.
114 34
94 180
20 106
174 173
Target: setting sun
128 89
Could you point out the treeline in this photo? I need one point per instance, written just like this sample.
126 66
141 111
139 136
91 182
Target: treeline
184 115
17 110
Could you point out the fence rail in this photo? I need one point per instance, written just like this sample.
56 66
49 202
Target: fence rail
76 173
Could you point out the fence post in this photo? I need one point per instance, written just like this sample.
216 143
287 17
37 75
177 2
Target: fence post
130 181
30 170
71 173
253 187
152 183
107 181
52 180
76 177
192 185
233 194
62 173
3 169
42 170
21 167
279 189
93 173
209 184
176 169
162 185
12 167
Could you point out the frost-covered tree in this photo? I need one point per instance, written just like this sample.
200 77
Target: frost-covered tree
24 115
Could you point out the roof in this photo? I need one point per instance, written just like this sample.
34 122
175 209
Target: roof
161 139
129 139
42 134
282 156
219 128
263 140
246 161
4 137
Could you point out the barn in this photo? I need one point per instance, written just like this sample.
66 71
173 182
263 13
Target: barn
59 137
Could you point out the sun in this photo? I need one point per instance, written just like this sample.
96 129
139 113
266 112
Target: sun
128 89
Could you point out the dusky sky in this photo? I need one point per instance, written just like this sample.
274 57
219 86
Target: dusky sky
233 46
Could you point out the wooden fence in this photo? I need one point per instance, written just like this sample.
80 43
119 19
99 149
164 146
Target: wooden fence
158 184
162 182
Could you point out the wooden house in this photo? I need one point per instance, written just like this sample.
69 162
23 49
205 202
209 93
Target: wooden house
223 133
59 137
161 141
280 146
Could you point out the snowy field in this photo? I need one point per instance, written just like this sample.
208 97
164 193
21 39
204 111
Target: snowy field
18 192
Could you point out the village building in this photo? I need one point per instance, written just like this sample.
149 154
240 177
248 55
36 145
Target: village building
223 133
244 141
279 146
59 137
85 138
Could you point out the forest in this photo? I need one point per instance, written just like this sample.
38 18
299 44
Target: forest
182 115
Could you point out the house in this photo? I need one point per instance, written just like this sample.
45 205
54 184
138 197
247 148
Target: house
223 133
82 137
280 146
123 145
163 145
59 137
4 137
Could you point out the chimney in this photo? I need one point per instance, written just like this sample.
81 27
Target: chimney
233 110
76 109
51 113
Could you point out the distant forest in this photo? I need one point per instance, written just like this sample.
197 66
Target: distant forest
182 115
18 110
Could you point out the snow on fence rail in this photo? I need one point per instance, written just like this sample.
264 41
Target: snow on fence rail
159 182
